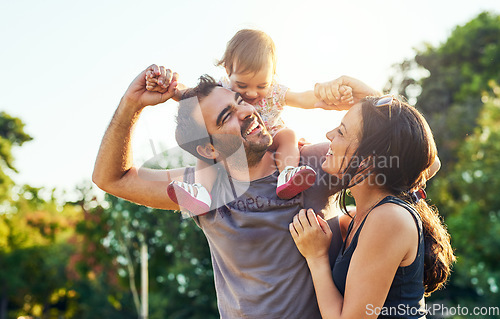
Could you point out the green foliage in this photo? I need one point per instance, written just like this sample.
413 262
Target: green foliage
92 270
80 260
11 134
453 85
468 198
75 260
180 269
34 229
452 79
34 253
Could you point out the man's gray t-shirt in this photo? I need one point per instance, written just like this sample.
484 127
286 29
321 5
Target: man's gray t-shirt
258 270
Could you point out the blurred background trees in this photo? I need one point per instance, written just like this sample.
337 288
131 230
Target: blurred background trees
455 85
468 197
81 259
447 82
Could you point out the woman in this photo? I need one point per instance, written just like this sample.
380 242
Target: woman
395 250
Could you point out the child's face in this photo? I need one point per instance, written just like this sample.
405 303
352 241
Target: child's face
252 86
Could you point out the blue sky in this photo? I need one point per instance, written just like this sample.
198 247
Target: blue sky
64 65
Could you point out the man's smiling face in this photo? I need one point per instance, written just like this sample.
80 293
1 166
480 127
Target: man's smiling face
231 121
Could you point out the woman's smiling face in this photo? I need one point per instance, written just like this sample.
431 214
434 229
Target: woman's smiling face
344 140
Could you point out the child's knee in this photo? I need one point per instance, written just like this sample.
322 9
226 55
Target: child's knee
287 134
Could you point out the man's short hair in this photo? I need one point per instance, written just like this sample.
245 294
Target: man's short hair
189 133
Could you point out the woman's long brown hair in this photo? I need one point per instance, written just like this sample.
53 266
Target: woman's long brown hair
396 144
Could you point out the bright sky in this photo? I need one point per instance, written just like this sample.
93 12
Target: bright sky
65 64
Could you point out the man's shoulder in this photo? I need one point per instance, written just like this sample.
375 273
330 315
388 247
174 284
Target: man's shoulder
314 150
326 185
313 155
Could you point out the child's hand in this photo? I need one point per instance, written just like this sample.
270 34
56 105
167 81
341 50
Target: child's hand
330 92
159 79
346 94
333 96
138 97
152 83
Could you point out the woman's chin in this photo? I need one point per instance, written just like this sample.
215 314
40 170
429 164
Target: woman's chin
328 168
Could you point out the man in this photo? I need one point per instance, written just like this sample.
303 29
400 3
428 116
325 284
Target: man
258 270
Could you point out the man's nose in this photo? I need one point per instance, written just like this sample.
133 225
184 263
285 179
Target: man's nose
245 110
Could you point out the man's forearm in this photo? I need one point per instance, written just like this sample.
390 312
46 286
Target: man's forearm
115 154
114 171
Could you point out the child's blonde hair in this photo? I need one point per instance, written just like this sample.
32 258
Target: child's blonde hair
251 50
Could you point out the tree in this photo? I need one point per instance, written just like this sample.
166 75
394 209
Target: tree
34 253
453 84
34 228
92 268
181 281
180 269
179 258
449 80
11 134
468 195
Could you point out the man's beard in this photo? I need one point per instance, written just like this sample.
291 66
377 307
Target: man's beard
229 147
255 151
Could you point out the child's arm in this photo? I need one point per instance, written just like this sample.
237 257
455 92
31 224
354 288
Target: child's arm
158 79
309 100
331 92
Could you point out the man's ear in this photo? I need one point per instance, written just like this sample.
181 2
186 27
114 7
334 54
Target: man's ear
208 151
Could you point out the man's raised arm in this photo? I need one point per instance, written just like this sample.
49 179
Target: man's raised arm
114 171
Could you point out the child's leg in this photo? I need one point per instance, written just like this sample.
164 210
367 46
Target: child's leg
287 152
292 179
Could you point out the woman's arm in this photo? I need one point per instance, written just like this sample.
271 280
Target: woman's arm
312 235
389 239
384 243
330 301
